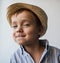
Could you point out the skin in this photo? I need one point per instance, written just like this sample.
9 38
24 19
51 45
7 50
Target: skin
26 32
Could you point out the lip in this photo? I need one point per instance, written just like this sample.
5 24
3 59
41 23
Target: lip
20 35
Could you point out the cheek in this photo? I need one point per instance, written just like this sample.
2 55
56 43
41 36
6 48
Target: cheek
31 33
13 35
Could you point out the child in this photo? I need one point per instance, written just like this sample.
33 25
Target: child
29 23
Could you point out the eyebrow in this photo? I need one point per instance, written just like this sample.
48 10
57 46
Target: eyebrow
13 22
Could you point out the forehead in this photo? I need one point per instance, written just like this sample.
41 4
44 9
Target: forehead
23 15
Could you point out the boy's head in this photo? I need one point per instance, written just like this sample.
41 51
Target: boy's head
41 17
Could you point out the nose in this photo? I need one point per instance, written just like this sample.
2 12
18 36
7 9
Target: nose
19 29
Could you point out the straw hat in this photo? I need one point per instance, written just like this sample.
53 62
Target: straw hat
35 9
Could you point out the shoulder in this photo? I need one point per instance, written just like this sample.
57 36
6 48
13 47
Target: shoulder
55 52
54 49
15 56
17 52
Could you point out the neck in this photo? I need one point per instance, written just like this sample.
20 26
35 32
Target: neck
35 50
34 46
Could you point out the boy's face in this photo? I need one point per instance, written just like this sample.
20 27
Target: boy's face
25 29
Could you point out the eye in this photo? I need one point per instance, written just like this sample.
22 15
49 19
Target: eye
14 26
26 25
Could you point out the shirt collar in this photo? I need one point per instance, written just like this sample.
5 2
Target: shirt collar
45 44
42 42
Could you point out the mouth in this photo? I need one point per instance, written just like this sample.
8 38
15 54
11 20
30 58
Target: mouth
20 36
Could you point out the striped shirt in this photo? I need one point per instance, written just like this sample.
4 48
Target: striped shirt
21 56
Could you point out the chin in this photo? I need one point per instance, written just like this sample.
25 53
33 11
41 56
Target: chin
21 42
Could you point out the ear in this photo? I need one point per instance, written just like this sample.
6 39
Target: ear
40 31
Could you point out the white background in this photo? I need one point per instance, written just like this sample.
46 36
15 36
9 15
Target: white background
7 44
